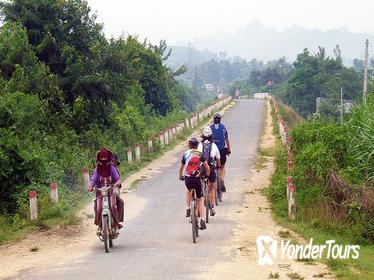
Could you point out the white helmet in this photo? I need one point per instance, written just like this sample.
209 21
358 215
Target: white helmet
207 132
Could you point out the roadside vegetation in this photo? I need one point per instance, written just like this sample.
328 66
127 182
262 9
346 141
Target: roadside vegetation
333 173
66 91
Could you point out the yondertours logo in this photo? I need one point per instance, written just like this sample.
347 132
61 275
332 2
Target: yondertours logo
269 248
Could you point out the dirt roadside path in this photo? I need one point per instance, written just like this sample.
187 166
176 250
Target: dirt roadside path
61 245
254 218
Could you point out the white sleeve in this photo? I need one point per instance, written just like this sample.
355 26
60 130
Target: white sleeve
215 150
200 147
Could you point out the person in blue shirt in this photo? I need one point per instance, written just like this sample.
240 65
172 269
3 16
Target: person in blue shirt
221 139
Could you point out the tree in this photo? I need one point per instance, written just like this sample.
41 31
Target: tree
319 76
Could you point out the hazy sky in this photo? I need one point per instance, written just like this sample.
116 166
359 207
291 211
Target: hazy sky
182 21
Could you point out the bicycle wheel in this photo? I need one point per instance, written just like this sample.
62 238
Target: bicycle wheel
193 221
106 233
196 221
207 202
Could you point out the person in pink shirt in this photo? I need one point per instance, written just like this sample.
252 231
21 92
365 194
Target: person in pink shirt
106 174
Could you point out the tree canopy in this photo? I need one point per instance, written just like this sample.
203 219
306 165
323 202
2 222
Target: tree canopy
66 90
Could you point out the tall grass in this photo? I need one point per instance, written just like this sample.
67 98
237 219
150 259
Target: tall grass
361 135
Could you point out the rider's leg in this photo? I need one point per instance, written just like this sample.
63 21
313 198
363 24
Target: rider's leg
96 222
223 161
223 173
212 193
212 198
200 201
188 199
212 190
200 204
120 208
97 210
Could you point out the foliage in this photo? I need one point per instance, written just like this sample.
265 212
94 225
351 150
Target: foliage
65 91
277 71
333 175
361 135
229 74
317 75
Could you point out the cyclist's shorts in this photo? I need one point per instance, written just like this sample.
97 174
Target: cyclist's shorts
223 156
194 183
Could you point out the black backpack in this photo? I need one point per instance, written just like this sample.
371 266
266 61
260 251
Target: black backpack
207 148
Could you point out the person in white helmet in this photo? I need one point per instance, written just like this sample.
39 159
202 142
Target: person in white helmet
211 153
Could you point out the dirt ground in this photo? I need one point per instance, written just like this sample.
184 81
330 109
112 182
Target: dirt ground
255 219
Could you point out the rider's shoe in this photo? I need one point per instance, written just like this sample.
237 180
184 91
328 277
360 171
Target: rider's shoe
223 188
202 224
212 210
98 231
188 212
120 225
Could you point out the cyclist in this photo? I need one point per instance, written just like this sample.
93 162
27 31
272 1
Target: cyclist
210 151
221 139
105 174
190 167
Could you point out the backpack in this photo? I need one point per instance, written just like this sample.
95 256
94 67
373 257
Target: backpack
193 161
207 149
219 135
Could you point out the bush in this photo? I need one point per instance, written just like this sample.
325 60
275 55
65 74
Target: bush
320 149
360 129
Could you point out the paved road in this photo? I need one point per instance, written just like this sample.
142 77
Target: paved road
157 243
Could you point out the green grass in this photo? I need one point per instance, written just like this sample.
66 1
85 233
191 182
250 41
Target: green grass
260 163
264 117
284 234
34 249
136 184
295 276
266 152
14 228
274 275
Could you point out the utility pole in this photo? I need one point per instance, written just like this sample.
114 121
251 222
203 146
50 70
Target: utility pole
365 90
341 105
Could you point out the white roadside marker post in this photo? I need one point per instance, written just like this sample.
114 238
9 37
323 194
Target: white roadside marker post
150 146
137 152
33 205
86 177
54 192
129 156
291 199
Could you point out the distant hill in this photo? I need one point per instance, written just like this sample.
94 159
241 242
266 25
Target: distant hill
264 43
189 56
